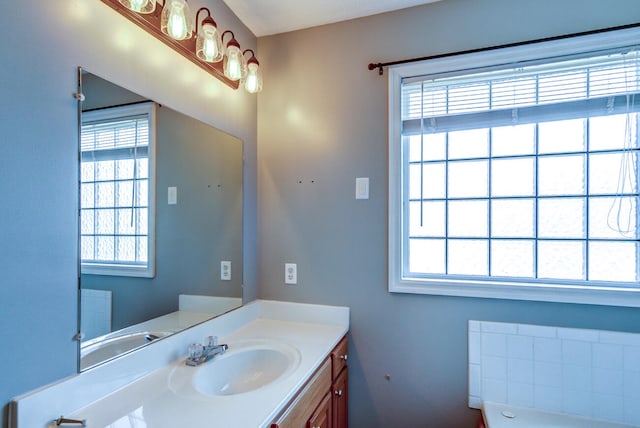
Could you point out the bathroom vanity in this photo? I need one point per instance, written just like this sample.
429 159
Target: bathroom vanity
286 366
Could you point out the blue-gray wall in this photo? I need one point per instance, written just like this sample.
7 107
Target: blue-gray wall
41 44
322 122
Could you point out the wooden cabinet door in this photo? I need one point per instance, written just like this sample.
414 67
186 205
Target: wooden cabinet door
321 418
298 413
339 357
339 398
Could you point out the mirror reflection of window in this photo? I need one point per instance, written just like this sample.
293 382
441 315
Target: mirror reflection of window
116 174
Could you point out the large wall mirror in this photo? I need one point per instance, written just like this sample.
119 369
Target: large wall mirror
157 256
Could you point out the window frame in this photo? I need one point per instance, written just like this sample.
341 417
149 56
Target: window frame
550 291
117 269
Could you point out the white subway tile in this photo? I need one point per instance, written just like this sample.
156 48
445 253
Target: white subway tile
631 411
520 370
494 368
474 347
608 381
619 338
582 372
632 386
520 394
578 402
576 353
547 398
474 325
475 380
494 390
578 334
547 349
608 356
499 327
608 407
537 330
576 378
547 374
632 358
520 347
475 402
494 344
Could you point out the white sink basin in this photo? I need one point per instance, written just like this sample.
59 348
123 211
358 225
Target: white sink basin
245 367
102 349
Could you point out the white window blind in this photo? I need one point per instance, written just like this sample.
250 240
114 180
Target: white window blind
517 180
529 93
116 203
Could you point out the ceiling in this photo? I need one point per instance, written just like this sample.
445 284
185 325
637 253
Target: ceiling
265 17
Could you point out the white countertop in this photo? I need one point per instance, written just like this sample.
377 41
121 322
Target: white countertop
136 390
153 402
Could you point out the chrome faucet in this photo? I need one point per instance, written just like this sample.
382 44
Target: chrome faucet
199 354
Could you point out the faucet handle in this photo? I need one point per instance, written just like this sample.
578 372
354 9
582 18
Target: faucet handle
212 341
195 351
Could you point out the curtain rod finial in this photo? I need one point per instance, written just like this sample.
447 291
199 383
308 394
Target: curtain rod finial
379 66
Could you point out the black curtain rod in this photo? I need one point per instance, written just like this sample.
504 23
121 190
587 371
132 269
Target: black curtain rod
380 65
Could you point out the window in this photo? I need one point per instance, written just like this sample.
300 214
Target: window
514 175
117 191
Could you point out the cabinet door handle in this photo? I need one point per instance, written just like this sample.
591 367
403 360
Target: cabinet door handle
343 357
338 392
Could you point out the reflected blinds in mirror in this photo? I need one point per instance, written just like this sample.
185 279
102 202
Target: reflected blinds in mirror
114 211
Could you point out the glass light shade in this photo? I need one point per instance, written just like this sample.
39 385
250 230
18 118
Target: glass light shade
140 6
253 80
176 20
234 65
208 44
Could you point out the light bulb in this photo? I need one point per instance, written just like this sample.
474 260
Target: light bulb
176 20
233 63
253 81
209 44
139 6
209 49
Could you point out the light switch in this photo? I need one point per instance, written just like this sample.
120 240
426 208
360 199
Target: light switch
362 188
172 195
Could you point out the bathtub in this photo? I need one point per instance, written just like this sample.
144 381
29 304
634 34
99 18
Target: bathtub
505 416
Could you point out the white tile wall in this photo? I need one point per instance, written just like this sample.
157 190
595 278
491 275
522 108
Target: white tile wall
589 373
96 313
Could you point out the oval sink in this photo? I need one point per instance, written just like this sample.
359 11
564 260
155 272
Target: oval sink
97 351
244 368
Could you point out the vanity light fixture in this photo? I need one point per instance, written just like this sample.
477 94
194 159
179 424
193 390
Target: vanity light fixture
235 67
253 80
171 22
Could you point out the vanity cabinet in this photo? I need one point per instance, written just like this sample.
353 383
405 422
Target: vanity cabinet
322 401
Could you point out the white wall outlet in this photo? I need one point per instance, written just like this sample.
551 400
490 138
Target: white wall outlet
172 195
225 270
290 273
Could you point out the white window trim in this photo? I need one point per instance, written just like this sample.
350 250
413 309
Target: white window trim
549 292
148 271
